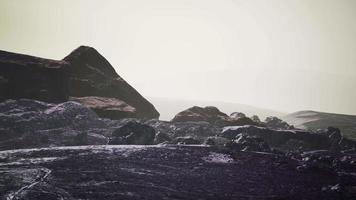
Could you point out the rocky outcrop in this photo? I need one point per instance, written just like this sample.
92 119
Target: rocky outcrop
133 133
194 114
23 76
92 75
31 124
83 73
289 140
248 143
105 107
28 123
213 116
197 130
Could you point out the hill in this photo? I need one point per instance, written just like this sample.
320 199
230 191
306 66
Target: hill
314 120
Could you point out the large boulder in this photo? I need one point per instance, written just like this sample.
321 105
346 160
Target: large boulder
213 116
208 114
248 143
92 75
23 76
107 107
82 73
133 133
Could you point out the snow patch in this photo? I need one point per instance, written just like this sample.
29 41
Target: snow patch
26 161
218 158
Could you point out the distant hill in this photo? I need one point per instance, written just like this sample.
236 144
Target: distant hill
318 120
168 108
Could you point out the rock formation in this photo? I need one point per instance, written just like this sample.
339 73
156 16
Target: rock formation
133 133
82 73
92 75
170 170
213 116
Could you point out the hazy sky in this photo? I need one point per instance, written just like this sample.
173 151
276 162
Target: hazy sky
286 55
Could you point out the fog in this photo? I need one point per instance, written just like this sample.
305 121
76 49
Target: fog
277 54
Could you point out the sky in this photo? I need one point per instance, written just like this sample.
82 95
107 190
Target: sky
286 55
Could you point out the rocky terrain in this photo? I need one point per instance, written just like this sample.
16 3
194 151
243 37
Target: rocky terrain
175 160
74 129
159 172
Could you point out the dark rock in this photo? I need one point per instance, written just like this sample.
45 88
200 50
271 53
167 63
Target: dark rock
82 73
165 172
29 123
133 133
195 114
241 121
23 76
335 138
185 140
216 141
197 130
329 161
92 75
286 140
248 143
105 107
211 115
162 138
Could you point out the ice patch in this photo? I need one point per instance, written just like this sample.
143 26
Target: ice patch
218 158
27 161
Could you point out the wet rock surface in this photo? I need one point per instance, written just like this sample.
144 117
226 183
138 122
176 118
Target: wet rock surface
157 172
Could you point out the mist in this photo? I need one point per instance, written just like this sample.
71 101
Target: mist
280 55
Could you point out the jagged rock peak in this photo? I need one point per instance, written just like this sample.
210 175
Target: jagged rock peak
86 54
